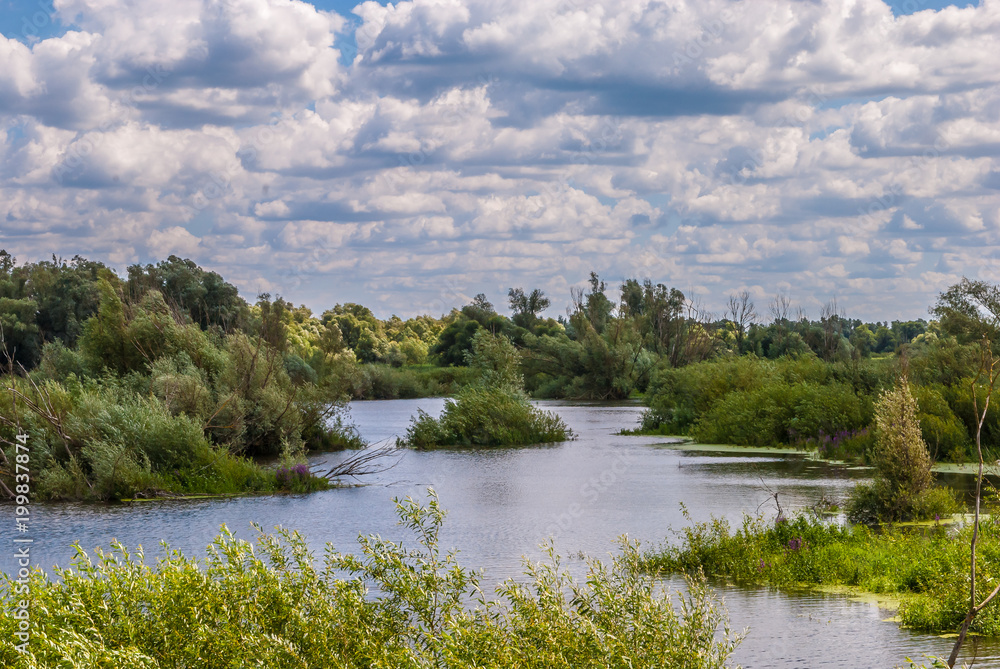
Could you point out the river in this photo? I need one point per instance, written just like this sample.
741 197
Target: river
503 503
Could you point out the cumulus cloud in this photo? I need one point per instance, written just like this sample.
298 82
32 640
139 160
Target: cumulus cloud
827 147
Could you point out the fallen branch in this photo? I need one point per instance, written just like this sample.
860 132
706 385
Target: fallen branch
365 463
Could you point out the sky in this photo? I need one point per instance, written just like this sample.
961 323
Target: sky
408 156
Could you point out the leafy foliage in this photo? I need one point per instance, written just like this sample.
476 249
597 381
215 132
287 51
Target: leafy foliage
902 464
269 605
492 412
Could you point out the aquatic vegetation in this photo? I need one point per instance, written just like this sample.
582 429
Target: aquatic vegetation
299 478
268 604
845 445
925 568
486 417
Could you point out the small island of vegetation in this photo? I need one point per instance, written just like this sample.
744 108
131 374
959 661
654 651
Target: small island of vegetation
492 411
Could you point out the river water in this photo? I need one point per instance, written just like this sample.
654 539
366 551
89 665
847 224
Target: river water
503 503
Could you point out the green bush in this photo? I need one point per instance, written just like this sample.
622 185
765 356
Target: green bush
903 477
680 396
59 362
781 413
750 401
942 431
493 412
111 442
389 606
182 387
143 425
486 417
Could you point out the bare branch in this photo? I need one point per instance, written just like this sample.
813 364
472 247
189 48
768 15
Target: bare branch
989 367
780 307
366 462
742 314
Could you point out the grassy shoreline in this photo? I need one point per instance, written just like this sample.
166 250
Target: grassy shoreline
923 569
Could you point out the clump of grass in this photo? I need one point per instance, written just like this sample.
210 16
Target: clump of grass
388 606
925 569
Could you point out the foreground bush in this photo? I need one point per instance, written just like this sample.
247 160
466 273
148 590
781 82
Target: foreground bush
926 571
390 606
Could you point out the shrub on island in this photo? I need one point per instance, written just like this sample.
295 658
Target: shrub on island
493 411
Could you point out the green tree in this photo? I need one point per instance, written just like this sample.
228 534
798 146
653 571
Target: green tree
496 362
67 295
19 333
901 456
594 307
203 295
902 463
526 307
863 340
455 341
970 310
360 330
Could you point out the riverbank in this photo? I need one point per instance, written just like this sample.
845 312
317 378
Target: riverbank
920 571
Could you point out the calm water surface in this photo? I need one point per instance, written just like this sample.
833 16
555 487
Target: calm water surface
503 503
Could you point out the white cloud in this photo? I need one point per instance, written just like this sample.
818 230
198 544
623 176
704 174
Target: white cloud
828 146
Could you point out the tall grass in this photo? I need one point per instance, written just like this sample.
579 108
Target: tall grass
378 381
105 439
